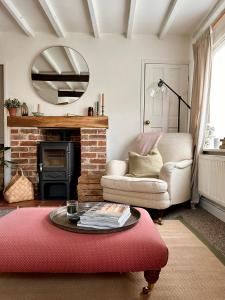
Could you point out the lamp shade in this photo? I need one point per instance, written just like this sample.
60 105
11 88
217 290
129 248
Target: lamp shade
154 89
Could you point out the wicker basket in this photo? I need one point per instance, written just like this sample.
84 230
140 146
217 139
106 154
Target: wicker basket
19 189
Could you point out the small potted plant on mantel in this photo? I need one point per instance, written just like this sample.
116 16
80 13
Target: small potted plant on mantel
12 105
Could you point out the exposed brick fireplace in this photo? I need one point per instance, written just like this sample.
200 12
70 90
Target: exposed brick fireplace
93 163
24 142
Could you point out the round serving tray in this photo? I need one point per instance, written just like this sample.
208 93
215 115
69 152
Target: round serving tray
59 219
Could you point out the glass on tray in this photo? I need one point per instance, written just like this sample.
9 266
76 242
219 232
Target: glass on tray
72 209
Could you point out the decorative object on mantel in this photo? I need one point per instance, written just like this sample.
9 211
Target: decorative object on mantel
97 108
24 109
12 105
90 111
38 113
223 143
102 103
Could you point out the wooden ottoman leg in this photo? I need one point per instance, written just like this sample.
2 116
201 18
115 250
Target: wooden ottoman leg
159 219
151 277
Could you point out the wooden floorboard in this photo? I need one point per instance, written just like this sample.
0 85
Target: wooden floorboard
31 203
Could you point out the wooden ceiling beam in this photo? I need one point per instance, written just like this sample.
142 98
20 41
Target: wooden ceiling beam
50 60
74 63
72 59
131 18
69 93
169 18
93 16
60 77
49 83
14 12
52 17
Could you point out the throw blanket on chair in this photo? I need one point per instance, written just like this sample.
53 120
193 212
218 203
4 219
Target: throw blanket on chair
146 141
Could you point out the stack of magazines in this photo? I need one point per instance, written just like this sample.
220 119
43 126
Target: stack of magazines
105 216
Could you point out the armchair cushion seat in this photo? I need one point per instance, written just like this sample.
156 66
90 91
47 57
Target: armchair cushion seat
134 184
158 201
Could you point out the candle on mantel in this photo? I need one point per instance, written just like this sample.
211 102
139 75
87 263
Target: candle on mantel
97 108
103 103
38 108
100 101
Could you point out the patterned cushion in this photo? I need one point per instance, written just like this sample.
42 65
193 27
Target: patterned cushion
30 243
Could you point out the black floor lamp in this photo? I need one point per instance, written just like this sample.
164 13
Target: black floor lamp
160 84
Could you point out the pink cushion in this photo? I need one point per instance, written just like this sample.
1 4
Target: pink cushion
29 242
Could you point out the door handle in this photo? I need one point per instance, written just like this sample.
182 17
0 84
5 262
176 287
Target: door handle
147 122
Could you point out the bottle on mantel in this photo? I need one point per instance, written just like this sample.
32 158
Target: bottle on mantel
90 111
24 109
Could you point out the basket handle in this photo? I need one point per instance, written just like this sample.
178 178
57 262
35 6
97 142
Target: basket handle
19 170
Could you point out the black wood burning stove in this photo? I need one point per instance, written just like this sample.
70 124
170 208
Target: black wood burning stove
56 170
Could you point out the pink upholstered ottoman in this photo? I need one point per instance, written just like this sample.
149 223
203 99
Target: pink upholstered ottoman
29 242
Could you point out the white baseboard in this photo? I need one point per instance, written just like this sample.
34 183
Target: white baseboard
213 208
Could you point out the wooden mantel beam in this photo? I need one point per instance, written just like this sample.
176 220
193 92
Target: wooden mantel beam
59 122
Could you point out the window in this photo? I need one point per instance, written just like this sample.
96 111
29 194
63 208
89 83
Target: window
217 98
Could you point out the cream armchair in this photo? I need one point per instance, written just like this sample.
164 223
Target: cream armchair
172 186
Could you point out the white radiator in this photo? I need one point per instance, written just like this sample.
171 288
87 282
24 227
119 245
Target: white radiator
211 178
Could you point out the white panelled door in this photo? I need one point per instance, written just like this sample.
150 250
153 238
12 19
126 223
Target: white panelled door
161 111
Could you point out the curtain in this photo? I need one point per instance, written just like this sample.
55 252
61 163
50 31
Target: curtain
202 51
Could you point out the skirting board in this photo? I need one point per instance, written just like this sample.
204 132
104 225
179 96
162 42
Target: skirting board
213 208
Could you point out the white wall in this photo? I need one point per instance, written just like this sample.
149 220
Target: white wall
115 69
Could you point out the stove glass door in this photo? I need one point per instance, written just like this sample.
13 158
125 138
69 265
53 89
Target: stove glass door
54 158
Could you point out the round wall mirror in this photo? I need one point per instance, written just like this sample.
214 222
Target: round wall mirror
60 75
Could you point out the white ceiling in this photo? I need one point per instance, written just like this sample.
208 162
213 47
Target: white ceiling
96 17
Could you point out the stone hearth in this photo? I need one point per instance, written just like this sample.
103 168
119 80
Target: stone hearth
24 143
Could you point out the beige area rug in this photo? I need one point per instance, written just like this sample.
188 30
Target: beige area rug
192 272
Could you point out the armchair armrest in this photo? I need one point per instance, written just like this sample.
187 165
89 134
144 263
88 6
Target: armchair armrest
168 167
178 177
117 167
